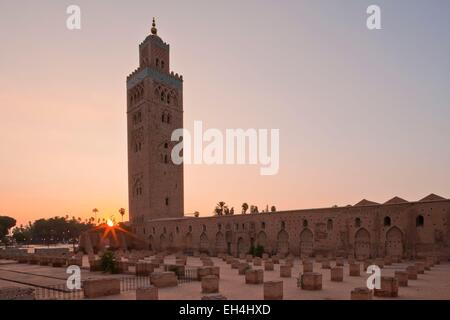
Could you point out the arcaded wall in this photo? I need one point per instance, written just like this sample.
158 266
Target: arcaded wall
405 229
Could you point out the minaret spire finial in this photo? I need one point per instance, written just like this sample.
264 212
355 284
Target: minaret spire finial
154 30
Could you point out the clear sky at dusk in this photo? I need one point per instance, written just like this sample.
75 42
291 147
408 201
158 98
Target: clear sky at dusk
362 114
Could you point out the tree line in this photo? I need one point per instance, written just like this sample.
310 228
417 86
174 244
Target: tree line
52 230
222 209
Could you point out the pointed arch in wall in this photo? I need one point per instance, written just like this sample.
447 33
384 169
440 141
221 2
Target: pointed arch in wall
204 243
221 245
163 242
242 246
306 243
394 242
151 244
283 242
187 242
362 244
261 239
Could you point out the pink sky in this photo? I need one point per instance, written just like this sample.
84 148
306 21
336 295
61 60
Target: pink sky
361 114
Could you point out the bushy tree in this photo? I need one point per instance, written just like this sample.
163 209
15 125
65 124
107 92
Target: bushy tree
109 262
257 251
6 223
52 230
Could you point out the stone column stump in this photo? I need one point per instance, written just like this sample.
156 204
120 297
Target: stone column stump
163 279
210 284
147 293
268 265
243 266
361 294
354 270
420 267
235 264
311 281
273 290
285 271
308 266
337 274
412 272
326 264
339 262
402 278
254 276
94 288
389 288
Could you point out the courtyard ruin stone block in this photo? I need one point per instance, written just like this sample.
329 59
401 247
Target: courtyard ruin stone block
147 293
420 267
94 288
355 270
337 274
254 276
412 272
308 266
242 268
210 284
339 262
389 288
285 271
311 281
402 278
361 294
214 297
273 290
268 265
164 279
326 263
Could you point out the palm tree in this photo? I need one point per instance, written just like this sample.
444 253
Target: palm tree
95 210
220 208
244 207
122 212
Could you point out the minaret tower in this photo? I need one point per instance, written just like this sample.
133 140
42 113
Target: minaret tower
154 111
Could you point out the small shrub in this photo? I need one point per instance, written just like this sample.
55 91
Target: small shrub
257 251
109 262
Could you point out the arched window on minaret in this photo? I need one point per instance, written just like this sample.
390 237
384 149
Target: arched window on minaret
420 221
162 96
157 62
138 189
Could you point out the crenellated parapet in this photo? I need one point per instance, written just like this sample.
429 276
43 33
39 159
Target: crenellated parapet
172 79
